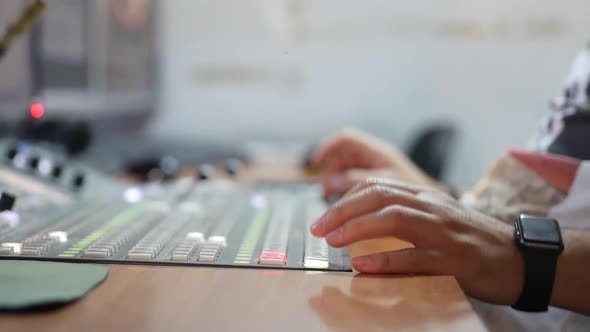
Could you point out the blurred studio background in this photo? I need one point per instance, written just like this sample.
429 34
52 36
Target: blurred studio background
207 76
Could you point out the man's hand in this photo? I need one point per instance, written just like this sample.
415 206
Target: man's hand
352 156
449 238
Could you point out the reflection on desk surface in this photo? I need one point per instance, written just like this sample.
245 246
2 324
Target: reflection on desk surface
379 303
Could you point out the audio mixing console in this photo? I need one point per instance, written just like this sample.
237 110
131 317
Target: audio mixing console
52 209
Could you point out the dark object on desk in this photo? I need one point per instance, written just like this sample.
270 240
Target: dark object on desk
432 148
32 285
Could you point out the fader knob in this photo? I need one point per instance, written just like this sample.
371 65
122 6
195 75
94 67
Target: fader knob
57 171
34 162
6 201
11 153
78 180
205 172
169 167
233 166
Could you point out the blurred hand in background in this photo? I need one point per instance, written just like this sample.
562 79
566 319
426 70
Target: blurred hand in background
351 156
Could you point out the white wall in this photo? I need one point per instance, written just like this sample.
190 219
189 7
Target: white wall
300 69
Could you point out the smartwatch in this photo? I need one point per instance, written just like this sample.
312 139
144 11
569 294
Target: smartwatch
541 243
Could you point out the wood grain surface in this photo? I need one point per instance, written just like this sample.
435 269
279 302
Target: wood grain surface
149 298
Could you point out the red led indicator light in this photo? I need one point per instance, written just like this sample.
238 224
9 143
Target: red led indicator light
37 110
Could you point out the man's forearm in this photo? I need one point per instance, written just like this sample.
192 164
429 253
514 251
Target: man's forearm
572 281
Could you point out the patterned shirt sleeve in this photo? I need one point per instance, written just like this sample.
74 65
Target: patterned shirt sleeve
566 131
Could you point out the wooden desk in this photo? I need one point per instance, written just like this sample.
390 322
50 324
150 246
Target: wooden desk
152 298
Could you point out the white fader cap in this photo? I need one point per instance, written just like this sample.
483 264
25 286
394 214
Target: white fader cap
60 236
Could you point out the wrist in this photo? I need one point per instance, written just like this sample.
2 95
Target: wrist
499 276
516 270
565 276
511 269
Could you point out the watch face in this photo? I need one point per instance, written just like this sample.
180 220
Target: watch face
543 230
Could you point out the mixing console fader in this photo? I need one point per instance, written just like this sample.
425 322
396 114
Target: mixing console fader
207 223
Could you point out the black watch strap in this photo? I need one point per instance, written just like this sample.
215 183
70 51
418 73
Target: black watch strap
540 268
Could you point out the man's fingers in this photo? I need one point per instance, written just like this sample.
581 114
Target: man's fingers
349 146
328 148
402 222
360 203
341 182
334 184
392 183
333 167
411 260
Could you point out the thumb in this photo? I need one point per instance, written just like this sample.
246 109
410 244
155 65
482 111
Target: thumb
338 184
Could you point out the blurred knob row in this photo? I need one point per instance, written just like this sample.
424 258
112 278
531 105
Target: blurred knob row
232 167
43 166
